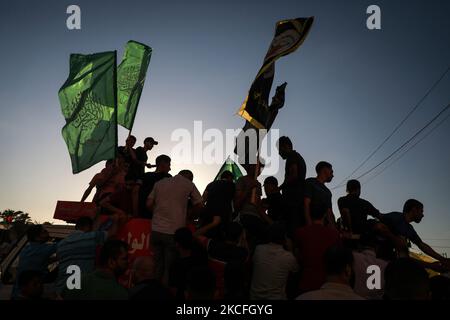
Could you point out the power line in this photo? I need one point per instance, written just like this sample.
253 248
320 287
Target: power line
395 129
405 152
406 142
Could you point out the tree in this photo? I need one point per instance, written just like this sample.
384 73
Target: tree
18 221
11 217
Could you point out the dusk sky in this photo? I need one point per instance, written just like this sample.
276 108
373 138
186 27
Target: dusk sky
348 87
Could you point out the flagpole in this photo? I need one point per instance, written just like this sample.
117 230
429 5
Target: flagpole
253 198
115 103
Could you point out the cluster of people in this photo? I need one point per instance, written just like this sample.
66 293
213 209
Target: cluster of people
231 242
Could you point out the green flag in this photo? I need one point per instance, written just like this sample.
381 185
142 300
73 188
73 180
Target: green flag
130 81
89 105
230 165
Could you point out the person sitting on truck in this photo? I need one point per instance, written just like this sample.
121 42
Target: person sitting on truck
119 202
36 255
79 248
102 284
399 223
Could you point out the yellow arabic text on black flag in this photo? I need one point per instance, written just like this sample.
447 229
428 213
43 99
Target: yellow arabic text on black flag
289 35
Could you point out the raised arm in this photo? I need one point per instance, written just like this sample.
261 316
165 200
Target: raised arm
216 221
429 251
398 242
106 203
239 198
87 193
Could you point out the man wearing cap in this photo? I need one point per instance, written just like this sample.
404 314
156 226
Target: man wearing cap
140 162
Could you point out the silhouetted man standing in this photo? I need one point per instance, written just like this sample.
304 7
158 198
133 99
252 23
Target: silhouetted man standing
294 183
354 210
317 195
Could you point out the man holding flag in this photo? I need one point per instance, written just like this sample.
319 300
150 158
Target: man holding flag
259 116
289 35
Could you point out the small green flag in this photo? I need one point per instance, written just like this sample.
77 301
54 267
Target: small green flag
230 165
130 81
89 105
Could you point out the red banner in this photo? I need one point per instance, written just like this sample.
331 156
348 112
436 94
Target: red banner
136 233
70 211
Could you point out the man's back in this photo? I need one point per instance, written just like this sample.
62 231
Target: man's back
312 242
138 170
220 196
295 188
359 209
35 256
171 197
79 249
319 194
271 267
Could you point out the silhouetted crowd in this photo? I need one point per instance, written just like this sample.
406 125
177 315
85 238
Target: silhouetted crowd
231 243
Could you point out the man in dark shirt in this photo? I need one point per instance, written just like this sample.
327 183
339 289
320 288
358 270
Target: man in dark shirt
294 183
139 162
150 178
190 256
400 225
274 200
317 195
354 210
36 255
233 252
232 249
102 284
127 152
218 196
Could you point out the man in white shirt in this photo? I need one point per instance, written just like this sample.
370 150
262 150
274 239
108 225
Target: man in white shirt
369 283
339 265
169 201
272 265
